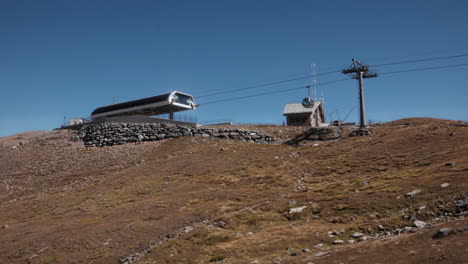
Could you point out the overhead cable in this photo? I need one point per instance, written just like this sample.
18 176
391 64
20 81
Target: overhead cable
425 69
420 60
271 92
265 84
221 92
335 81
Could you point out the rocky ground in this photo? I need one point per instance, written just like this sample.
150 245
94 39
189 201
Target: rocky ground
395 196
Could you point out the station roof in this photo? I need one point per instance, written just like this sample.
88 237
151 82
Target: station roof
298 108
143 101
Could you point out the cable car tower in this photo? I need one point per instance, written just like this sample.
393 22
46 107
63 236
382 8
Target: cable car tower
361 72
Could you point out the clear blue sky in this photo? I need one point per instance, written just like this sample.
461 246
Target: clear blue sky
65 58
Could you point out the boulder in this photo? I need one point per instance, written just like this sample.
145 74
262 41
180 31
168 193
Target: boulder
420 224
443 232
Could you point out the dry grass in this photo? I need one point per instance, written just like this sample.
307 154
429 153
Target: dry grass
94 214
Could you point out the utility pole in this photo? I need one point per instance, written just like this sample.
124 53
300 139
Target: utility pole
361 72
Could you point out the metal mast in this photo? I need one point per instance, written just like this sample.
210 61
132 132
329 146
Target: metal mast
361 72
314 81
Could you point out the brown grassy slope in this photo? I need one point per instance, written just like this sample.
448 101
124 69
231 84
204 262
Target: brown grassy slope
85 213
353 185
10 141
104 214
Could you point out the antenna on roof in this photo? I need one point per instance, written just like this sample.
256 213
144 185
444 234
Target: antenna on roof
314 80
308 102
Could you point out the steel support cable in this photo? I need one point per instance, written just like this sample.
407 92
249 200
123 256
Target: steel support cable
327 73
422 54
425 69
336 81
265 84
420 60
271 92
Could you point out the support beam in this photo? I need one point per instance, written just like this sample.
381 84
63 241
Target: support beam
361 72
362 104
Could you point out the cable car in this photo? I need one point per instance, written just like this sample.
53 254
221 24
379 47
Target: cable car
155 105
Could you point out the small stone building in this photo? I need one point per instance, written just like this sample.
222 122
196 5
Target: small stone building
298 115
76 121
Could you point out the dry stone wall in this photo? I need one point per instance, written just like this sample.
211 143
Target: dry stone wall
109 134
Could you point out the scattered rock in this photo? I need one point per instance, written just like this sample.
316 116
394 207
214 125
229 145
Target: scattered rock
420 224
461 205
449 164
444 185
305 250
338 242
360 132
318 245
357 235
292 251
351 241
5 226
319 254
188 229
413 193
443 232
364 238
381 228
221 223
297 209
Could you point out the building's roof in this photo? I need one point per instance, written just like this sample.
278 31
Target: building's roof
298 108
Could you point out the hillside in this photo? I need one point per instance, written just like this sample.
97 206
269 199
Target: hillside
205 200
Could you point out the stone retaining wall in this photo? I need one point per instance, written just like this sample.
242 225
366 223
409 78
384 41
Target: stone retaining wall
109 134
